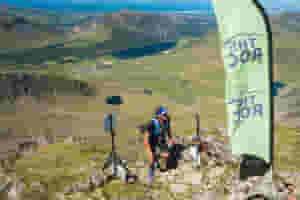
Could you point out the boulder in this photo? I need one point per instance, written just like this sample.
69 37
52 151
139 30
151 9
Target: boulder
178 188
12 192
37 187
68 140
96 179
208 195
60 196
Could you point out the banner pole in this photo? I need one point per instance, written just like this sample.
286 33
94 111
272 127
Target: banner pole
246 40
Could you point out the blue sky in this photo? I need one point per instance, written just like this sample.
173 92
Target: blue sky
90 5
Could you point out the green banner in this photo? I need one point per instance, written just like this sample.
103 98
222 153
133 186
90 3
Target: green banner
245 38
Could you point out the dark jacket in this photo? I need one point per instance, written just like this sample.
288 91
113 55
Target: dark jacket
152 140
166 129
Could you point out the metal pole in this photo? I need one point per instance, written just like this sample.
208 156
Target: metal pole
113 155
198 124
113 147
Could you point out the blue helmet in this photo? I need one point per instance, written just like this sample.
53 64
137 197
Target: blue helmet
161 111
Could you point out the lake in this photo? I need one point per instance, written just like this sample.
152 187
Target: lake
144 51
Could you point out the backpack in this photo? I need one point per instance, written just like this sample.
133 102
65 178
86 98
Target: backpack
157 126
167 123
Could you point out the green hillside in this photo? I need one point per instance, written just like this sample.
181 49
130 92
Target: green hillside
188 79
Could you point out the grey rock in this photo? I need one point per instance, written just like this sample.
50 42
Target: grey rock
68 190
84 187
68 140
204 130
207 195
237 196
220 129
163 179
155 194
263 185
75 188
37 187
12 192
196 196
179 139
218 171
60 196
178 188
96 179
193 178
187 156
140 164
94 158
209 138
280 187
282 196
171 178
21 187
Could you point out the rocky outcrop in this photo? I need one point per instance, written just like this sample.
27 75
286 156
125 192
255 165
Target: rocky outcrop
13 147
12 188
95 180
216 178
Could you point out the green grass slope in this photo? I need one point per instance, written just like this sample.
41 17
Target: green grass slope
189 80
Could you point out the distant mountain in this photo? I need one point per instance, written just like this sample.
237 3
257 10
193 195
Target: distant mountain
290 21
148 26
158 26
127 28
22 32
47 20
27 28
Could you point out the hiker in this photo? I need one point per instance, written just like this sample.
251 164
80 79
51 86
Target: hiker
153 139
168 149
162 113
